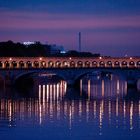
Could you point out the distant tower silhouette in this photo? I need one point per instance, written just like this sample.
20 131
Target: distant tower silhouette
79 41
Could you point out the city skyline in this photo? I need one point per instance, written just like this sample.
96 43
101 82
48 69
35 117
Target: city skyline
108 27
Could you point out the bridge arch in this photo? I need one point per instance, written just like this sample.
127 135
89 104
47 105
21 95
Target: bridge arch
21 64
57 64
102 64
14 64
87 64
124 64
116 64
94 64
131 64
36 64
50 64
1 64
65 64
80 64
7 64
109 64
43 64
138 64
28 64
30 73
72 64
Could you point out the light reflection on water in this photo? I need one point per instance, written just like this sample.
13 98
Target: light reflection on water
49 92
97 115
96 87
53 115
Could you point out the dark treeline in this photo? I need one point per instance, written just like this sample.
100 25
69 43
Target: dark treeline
11 49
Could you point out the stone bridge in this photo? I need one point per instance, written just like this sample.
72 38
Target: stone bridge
69 68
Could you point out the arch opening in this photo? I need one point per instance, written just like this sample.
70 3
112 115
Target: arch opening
21 64
116 64
102 64
124 64
43 64
138 64
1 64
50 64
58 64
36 64
132 64
109 64
7 64
94 64
14 64
80 64
65 64
72 64
29 64
87 64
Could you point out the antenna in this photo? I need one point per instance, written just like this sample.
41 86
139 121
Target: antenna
79 41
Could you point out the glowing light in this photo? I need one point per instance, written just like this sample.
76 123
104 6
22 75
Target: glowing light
118 86
10 59
40 114
103 88
40 58
101 113
131 116
89 89
47 92
39 92
44 93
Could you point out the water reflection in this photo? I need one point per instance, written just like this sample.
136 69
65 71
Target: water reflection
54 115
50 92
100 87
99 113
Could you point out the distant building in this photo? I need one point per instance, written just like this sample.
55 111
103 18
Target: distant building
29 43
56 49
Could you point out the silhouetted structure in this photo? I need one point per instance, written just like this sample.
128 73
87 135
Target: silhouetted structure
11 49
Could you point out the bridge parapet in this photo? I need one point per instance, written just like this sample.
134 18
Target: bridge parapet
68 62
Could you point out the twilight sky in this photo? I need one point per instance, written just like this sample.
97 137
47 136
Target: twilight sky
109 27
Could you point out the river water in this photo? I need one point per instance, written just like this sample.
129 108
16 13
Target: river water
102 108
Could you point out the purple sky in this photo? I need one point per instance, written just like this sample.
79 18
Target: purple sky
108 27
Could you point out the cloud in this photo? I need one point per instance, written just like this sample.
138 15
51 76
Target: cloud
46 21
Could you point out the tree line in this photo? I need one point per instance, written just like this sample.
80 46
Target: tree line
11 49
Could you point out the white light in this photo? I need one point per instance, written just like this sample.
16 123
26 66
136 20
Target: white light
10 59
40 58
28 43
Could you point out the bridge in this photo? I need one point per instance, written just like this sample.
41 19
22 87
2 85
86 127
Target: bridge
69 68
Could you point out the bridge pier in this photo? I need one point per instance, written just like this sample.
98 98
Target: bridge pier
138 85
70 83
131 83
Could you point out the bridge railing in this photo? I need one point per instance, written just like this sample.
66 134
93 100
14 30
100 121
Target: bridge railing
68 62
